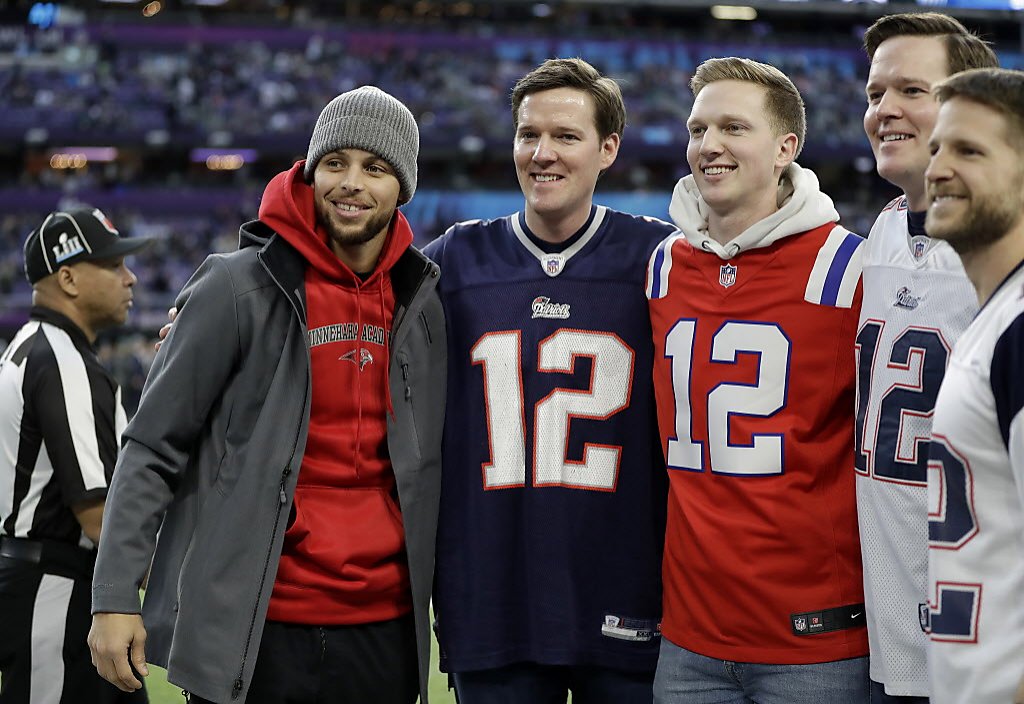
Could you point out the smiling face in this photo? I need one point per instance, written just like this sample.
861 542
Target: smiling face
355 196
901 109
734 153
975 178
559 155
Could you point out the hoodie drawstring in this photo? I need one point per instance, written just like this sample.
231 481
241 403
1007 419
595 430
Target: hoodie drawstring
387 361
359 373
387 351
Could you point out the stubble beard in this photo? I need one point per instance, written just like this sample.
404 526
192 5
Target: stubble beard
986 221
341 237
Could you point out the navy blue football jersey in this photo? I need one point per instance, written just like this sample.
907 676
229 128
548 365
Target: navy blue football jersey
553 485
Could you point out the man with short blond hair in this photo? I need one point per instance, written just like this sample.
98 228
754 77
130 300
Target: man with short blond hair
754 309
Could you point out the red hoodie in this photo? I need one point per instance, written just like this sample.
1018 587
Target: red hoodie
343 560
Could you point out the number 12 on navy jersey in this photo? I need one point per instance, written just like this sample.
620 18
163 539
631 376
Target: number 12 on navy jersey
611 382
762 399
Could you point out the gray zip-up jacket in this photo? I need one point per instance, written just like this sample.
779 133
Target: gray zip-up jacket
212 457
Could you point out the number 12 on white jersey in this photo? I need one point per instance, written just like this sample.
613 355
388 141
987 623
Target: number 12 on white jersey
764 398
611 385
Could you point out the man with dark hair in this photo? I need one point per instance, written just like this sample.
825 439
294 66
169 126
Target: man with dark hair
976 459
754 310
287 446
964 50
61 420
553 499
917 302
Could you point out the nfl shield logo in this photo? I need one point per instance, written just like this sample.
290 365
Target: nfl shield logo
727 275
105 221
553 264
800 623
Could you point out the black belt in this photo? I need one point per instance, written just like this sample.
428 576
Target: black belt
53 557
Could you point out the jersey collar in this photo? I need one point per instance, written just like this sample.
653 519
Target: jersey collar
49 315
553 262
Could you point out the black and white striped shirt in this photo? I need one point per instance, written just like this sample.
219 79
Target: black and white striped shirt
61 421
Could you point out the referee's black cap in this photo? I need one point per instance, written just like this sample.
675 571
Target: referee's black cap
75 235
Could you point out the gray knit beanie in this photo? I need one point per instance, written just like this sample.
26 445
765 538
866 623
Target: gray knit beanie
368 118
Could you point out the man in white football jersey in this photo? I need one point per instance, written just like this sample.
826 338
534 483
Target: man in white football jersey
976 460
917 301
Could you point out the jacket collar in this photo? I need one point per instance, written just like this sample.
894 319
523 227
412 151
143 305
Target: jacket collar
288 267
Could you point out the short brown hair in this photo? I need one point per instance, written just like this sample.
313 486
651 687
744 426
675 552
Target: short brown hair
997 88
783 102
609 109
964 50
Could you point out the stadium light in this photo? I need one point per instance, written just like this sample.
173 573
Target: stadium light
223 159
68 161
79 157
733 12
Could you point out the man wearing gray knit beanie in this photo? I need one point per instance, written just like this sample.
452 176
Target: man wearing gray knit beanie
368 118
287 446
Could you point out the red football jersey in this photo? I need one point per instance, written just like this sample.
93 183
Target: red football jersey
754 379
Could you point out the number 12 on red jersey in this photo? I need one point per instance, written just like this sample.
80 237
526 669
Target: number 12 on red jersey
764 398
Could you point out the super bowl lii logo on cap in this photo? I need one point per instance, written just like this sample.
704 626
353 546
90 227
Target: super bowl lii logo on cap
67 247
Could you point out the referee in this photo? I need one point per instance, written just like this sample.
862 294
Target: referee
60 426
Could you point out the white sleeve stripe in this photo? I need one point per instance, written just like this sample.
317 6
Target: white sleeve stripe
74 381
841 252
660 267
816 281
854 270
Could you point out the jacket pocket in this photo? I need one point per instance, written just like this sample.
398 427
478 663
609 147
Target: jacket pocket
407 423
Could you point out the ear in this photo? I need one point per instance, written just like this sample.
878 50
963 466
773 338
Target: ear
787 146
67 280
609 150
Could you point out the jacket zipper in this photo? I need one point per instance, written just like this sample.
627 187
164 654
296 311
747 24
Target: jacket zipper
236 687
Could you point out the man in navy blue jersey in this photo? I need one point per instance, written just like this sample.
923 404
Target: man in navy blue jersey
553 492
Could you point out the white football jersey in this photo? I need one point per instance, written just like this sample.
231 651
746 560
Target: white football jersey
917 302
976 509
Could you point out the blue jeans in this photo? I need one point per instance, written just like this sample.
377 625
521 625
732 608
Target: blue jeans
684 677
530 683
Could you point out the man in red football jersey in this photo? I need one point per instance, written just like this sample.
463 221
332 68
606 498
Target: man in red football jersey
754 310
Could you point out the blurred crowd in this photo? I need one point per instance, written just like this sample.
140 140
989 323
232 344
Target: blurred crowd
214 87
145 89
